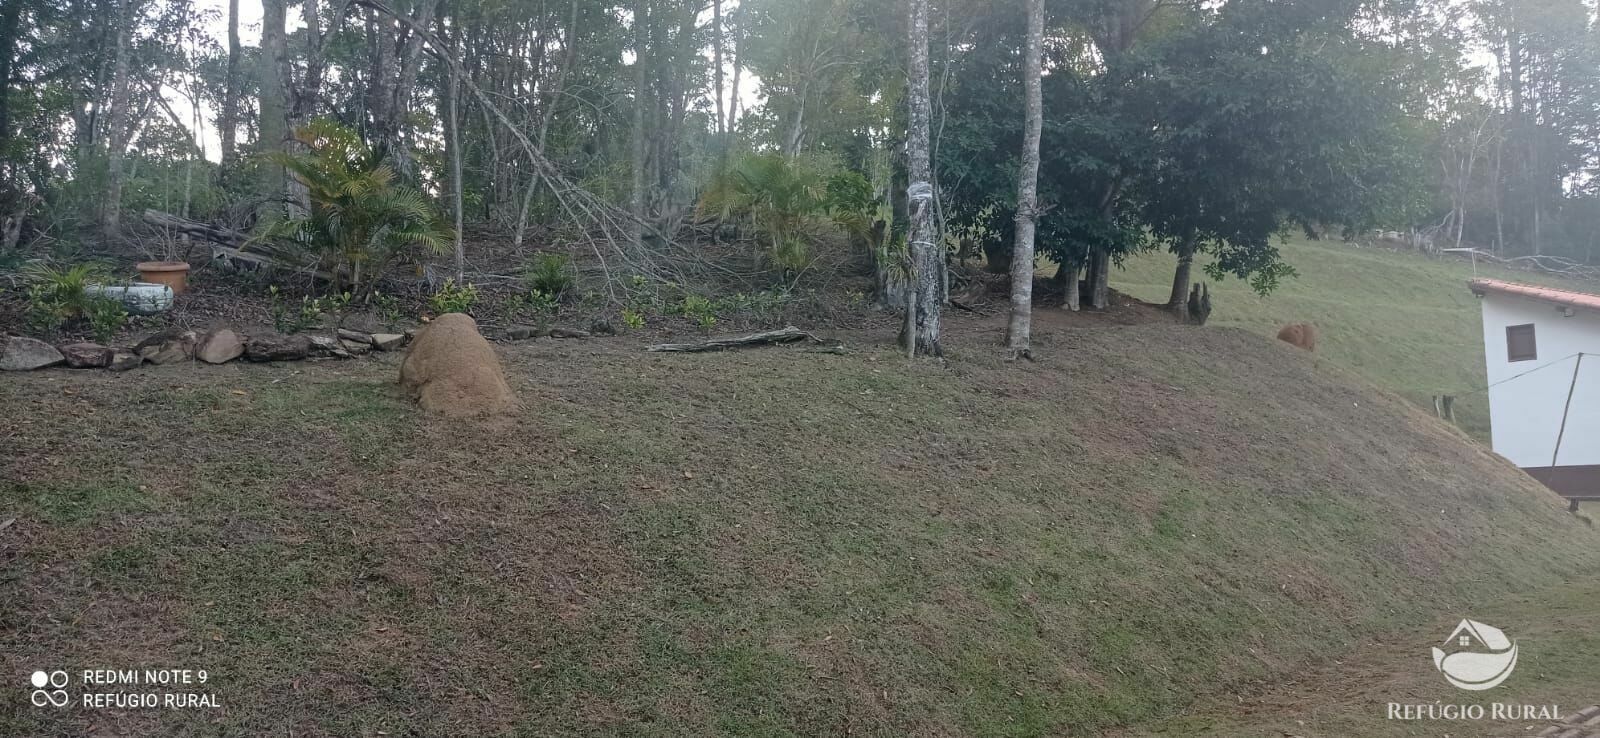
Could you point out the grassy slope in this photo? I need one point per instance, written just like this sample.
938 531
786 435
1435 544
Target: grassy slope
758 543
1556 644
1405 321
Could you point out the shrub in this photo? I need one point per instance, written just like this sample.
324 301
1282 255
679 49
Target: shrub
359 221
452 298
389 307
551 274
288 318
58 297
787 200
106 317
633 319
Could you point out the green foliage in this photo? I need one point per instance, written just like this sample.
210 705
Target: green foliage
550 273
633 319
289 318
389 308
68 286
105 317
360 220
699 309
453 298
58 297
790 202
45 314
1221 126
537 301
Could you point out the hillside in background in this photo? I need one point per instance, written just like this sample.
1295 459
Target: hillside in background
767 542
1403 320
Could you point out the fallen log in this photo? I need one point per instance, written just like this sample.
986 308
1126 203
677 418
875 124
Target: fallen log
232 248
789 334
196 229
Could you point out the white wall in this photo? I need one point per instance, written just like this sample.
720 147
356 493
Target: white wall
1525 413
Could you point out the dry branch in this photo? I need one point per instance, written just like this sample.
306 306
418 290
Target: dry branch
788 334
231 246
196 229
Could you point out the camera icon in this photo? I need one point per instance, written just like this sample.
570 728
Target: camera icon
48 689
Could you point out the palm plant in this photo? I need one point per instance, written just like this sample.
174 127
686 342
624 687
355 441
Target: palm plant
786 200
359 220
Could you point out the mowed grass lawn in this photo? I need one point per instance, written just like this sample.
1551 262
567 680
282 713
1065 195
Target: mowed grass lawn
1403 320
1556 647
759 543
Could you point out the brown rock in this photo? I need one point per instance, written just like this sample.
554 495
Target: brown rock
453 371
277 348
168 347
86 355
21 354
220 347
524 332
345 334
122 361
328 346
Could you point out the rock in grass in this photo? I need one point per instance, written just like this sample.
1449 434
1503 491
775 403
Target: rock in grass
277 348
168 347
345 334
220 347
122 361
567 333
86 355
388 341
524 332
602 327
21 354
356 348
328 346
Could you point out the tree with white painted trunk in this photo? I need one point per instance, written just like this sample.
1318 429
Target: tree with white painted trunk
1018 333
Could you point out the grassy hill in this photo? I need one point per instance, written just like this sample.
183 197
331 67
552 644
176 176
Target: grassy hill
1404 320
768 542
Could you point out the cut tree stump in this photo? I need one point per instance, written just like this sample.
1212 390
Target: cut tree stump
788 334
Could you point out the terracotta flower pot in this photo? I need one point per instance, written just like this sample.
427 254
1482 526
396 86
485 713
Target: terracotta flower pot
174 274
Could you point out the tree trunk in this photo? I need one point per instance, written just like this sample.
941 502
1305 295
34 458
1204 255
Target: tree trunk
117 129
738 64
716 58
924 240
10 15
641 81
1100 279
273 125
1180 277
1072 295
228 119
1019 331
453 89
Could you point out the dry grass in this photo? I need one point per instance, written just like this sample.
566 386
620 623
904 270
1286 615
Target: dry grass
759 543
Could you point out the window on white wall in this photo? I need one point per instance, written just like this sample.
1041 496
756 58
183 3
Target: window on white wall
1520 343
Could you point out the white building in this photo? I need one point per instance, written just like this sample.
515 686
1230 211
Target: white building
1542 350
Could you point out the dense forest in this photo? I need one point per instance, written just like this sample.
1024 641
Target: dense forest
770 141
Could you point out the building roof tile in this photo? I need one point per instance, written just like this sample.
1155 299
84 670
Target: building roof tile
1547 294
